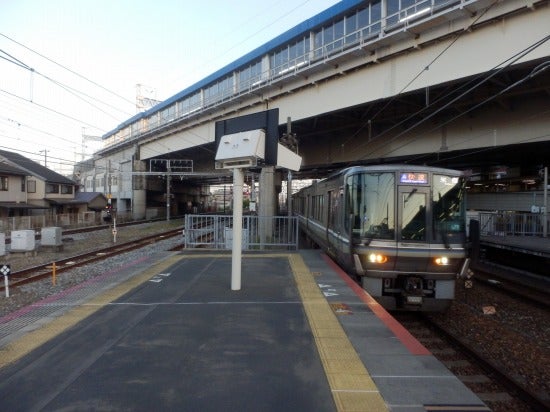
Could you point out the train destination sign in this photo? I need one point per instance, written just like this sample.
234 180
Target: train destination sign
414 178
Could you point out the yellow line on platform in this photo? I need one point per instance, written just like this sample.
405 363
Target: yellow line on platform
32 340
352 387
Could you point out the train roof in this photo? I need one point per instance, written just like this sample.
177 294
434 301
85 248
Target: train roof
386 168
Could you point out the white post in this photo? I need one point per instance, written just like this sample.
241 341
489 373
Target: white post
238 182
6 286
114 230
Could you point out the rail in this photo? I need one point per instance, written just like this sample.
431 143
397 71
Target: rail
511 224
259 232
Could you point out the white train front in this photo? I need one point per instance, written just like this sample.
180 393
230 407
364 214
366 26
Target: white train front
400 229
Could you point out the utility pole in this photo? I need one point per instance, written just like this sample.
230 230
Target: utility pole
86 137
168 169
108 175
173 166
45 157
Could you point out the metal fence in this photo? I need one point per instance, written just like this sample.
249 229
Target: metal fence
511 224
64 220
258 232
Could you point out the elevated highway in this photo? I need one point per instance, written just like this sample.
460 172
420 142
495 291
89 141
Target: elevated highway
462 84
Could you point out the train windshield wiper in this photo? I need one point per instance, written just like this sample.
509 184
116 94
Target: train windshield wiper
445 237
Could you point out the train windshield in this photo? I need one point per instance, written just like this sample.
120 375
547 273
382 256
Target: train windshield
370 205
425 213
448 206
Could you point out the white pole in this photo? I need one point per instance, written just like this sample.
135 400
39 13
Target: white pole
238 182
6 286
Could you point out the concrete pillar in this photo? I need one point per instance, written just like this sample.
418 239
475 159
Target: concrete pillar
267 205
267 196
139 198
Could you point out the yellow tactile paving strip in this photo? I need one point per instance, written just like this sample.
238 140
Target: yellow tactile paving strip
351 385
32 340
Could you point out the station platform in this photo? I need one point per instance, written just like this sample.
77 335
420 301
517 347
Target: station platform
168 333
530 245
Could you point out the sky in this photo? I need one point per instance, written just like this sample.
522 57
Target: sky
69 68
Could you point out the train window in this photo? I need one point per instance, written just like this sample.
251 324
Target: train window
413 215
448 205
334 208
370 200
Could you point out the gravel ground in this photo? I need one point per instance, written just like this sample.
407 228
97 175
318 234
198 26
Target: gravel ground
516 337
74 244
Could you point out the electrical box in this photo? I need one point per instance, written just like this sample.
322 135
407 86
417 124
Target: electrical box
2 244
240 150
51 236
22 240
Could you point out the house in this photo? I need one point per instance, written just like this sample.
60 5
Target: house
13 192
27 187
86 201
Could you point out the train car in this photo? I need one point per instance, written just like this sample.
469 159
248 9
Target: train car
401 230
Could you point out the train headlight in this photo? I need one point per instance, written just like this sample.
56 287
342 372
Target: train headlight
377 258
442 261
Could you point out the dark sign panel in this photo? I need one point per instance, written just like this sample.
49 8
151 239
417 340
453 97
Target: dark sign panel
414 178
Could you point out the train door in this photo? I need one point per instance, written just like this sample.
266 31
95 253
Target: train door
413 234
413 214
335 230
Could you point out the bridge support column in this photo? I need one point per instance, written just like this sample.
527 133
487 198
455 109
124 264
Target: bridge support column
139 197
267 205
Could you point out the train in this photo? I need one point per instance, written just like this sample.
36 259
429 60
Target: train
400 230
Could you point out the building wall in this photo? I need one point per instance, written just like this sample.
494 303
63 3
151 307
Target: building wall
14 192
505 201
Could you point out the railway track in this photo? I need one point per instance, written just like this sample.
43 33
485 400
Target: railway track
36 273
496 386
518 284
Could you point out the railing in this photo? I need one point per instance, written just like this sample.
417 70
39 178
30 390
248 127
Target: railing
65 220
258 232
511 224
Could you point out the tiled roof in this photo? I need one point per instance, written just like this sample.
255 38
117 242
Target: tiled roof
33 168
11 170
87 197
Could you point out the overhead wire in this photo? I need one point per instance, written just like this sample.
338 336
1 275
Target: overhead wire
70 90
509 62
78 94
68 69
50 109
476 137
426 68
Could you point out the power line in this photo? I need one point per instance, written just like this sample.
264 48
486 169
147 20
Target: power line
49 109
78 94
426 68
20 124
510 61
69 70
